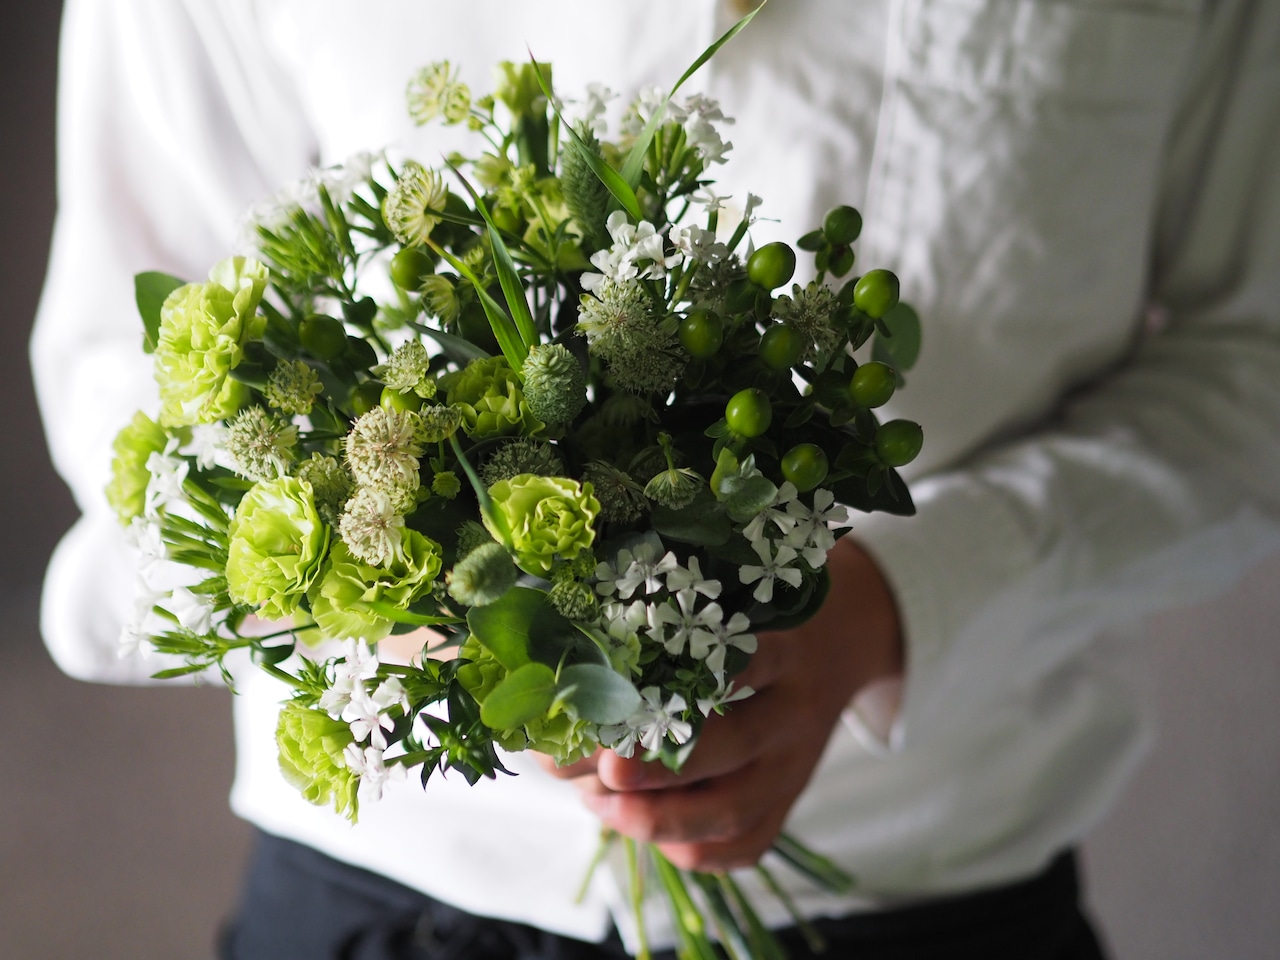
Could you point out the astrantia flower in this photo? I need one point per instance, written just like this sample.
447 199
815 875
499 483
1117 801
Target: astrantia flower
133 446
440 298
203 330
372 527
414 205
675 488
772 567
277 541
436 92
524 455
437 423
383 450
261 444
547 517
811 311
623 329
330 485
312 746
293 387
445 483
407 368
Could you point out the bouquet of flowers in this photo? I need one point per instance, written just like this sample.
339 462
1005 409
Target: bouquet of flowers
546 401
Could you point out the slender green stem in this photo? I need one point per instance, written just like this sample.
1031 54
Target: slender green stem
817 943
637 896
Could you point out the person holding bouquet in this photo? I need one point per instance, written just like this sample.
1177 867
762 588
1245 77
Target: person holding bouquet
1084 205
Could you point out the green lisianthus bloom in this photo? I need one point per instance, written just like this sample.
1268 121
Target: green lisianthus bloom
340 596
277 541
203 330
547 517
482 672
488 394
311 745
562 736
133 446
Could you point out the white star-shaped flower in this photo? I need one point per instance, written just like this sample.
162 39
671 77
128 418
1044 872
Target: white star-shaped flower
772 567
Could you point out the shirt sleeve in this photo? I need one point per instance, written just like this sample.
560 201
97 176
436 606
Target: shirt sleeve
173 118
1154 485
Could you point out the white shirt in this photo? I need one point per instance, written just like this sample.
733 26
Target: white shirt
1083 201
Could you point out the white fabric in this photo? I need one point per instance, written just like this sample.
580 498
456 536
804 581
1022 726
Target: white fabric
1083 200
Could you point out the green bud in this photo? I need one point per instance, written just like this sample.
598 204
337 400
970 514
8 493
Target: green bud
482 576
554 383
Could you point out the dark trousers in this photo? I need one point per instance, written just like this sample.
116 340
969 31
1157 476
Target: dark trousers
299 904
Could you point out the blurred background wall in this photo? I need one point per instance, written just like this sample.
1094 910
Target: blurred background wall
115 839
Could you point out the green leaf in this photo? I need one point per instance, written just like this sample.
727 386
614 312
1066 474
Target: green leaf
525 694
504 330
389 611
521 627
508 277
458 349
150 290
702 523
617 185
901 348
598 693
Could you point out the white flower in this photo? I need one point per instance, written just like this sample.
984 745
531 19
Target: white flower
773 567
208 441
359 661
649 725
598 97
709 199
712 642
168 472
134 639
632 244
776 513
368 765
698 244
812 535
335 699
685 619
146 537
390 692
649 101
642 564
691 579
366 718
701 116
194 612
723 696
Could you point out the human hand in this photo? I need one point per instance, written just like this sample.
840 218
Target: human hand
728 802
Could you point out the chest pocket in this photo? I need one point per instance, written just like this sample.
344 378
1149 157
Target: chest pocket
1017 165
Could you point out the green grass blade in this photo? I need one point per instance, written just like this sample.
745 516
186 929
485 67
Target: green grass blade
504 330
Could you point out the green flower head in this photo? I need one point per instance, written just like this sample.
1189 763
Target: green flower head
488 394
518 87
311 745
133 446
340 598
547 517
436 92
414 206
554 383
483 575
277 541
203 330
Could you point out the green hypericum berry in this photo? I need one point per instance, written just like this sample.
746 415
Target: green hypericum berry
410 267
898 442
391 399
805 465
873 384
781 347
876 293
772 265
749 412
323 337
842 225
701 333
365 396
482 576
554 383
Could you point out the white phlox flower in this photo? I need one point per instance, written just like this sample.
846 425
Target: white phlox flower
146 537
194 611
697 244
366 718
624 620
772 567
643 563
651 724
596 103
725 695
776 512
649 101
359 661
168 473
712 641
134 638
368 765
631 245
390 693
701 114
208 442
812 535
335 699
708 199
687 622
690 578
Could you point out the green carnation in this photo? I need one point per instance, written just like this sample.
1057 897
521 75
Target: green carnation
311 745
340 597
133 446
203 330
488 394
277 543
546 516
